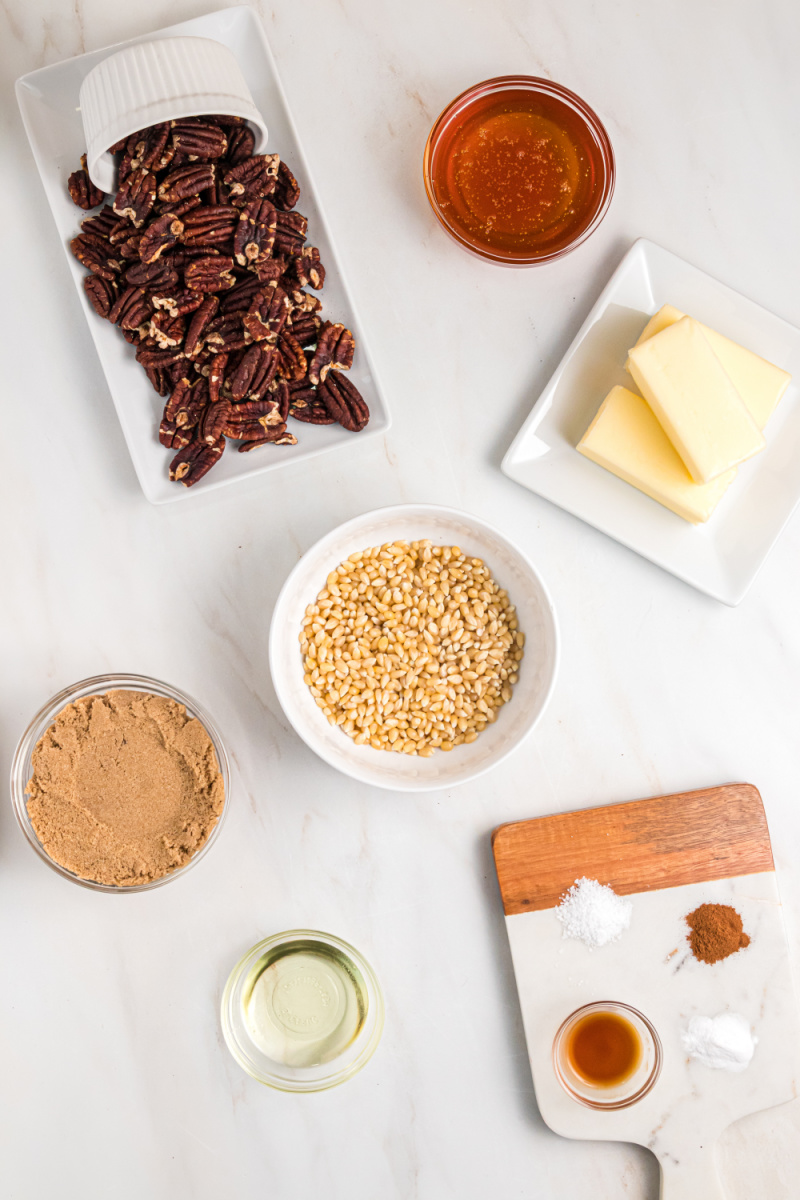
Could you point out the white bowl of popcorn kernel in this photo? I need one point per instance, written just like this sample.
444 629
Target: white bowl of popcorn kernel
413 647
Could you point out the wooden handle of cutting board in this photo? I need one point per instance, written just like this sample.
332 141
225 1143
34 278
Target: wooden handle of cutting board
689 837
693 1177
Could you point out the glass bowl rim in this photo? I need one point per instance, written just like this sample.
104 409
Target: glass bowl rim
624 1101
531 83
281 1083
41 721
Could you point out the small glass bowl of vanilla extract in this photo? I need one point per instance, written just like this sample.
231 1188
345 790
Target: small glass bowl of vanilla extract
607 1055
519 170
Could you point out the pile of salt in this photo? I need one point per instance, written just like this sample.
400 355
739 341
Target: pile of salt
594 913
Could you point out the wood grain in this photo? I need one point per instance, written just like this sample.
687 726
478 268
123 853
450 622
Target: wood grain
690 837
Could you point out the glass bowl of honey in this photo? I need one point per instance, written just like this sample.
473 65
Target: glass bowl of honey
519 170
607 1055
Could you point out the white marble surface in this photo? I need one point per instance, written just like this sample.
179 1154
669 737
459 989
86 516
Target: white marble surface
115 1079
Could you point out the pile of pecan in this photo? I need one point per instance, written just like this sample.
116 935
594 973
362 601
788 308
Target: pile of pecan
201 260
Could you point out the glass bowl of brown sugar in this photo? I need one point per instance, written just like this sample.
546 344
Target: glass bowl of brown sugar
121 783
519 170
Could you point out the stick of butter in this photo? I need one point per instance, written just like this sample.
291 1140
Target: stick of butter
626 439
759 383
692 396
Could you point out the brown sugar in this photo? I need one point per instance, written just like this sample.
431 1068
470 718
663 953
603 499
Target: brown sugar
715 932
126 787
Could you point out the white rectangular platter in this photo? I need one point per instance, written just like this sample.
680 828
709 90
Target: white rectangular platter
723 557
48 101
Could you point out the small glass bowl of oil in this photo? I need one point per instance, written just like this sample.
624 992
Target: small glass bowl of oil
607 1055
302 1011
519 170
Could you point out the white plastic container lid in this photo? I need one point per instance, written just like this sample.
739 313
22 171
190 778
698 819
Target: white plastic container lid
160 81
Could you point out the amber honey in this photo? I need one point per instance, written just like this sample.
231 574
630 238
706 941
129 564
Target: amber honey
603 1049
519 169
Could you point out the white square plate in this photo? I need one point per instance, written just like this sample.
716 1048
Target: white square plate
48 101
722 557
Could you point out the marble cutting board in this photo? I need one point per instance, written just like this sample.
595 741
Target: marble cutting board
668 855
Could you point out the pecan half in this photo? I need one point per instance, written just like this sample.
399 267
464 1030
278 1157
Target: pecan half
106 224
199 324
129 248
305 327
126 161
178 302
212 226
245 431
186 181
164 331
131 308
253 179
178 208
156 276
239 298
187 403
290 232
173 437
301 391
291 358
213 421
158 236
264 380
335 348
216 376
194 461
210 274
159 359
217 195
344 402
301 302
240 144
152 148
266 316
305 269
276 437
270 270
287 189
253 418
136 196
160 381
254 236
96 254
82 190
101 293
182 255
121 231
279 393
254 372
199 138
311 413
226 333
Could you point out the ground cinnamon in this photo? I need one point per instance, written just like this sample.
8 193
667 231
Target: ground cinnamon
716 932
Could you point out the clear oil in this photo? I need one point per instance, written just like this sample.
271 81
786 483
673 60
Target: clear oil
304 1003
